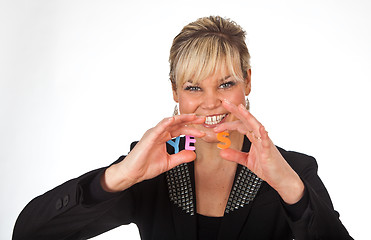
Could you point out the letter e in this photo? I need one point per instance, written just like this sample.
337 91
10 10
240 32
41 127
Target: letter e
188 141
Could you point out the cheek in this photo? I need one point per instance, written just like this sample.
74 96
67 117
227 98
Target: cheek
187 104
237 98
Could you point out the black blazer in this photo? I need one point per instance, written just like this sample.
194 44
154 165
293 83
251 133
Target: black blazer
164 208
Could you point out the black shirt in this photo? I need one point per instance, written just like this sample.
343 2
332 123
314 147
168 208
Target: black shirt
208 227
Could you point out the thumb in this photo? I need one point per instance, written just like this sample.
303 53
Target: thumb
234 155
181 157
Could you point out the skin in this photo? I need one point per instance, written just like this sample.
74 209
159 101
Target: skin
214 168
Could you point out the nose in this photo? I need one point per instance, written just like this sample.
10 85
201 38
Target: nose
211 100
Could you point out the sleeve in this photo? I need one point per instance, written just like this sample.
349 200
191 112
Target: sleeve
77 209
296 211
314 217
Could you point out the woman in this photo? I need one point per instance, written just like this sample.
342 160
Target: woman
250 190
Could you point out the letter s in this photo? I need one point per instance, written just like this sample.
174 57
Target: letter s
222 137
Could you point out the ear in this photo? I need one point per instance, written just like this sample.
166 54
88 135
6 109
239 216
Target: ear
248 83
175 95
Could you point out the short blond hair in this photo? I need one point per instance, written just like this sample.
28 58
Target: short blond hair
206 46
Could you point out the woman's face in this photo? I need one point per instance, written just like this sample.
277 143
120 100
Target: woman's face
205 99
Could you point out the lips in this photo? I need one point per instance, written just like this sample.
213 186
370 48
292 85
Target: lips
213 120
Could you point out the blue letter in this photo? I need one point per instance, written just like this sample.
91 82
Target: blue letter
175 144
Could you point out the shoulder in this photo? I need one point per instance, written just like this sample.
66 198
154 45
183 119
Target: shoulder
300 162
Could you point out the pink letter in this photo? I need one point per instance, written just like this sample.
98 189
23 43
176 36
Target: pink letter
189 140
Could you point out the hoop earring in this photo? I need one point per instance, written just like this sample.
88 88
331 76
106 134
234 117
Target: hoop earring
175 110
247 104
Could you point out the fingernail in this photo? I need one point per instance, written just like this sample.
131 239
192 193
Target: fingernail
226 101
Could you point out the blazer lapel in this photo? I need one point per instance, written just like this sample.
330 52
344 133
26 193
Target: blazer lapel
182 195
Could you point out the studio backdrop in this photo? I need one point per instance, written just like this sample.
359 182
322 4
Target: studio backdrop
80 80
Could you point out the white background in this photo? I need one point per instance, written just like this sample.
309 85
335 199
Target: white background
80 80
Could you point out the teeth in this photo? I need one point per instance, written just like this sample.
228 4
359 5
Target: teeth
214 119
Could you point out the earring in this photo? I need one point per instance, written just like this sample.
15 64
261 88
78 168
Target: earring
247 104
175 110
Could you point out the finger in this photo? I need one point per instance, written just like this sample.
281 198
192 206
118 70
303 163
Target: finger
164 125
181 157
241 115
266 141
186 130
251 125
234 156
185 121
184 127
188 119
232 108
198 120
248 116
235 125
256 125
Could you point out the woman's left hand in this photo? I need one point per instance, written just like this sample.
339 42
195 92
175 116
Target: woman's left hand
264 159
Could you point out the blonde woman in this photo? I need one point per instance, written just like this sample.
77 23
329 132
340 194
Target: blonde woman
186 187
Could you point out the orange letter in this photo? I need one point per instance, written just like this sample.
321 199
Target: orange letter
222 136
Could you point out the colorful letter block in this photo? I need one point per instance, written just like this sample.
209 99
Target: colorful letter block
188 141
222 137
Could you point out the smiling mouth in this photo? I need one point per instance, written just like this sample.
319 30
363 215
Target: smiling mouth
211 121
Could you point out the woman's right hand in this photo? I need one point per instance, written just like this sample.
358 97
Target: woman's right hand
149 157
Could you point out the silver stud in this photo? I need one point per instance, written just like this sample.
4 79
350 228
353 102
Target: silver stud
180 187
244 190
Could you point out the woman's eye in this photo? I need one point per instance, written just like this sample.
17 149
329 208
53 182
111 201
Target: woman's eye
227 84
192 88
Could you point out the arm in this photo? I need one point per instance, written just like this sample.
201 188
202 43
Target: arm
103 199
67 211
319 219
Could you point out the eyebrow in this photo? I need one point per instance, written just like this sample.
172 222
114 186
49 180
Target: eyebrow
220 80
224 78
